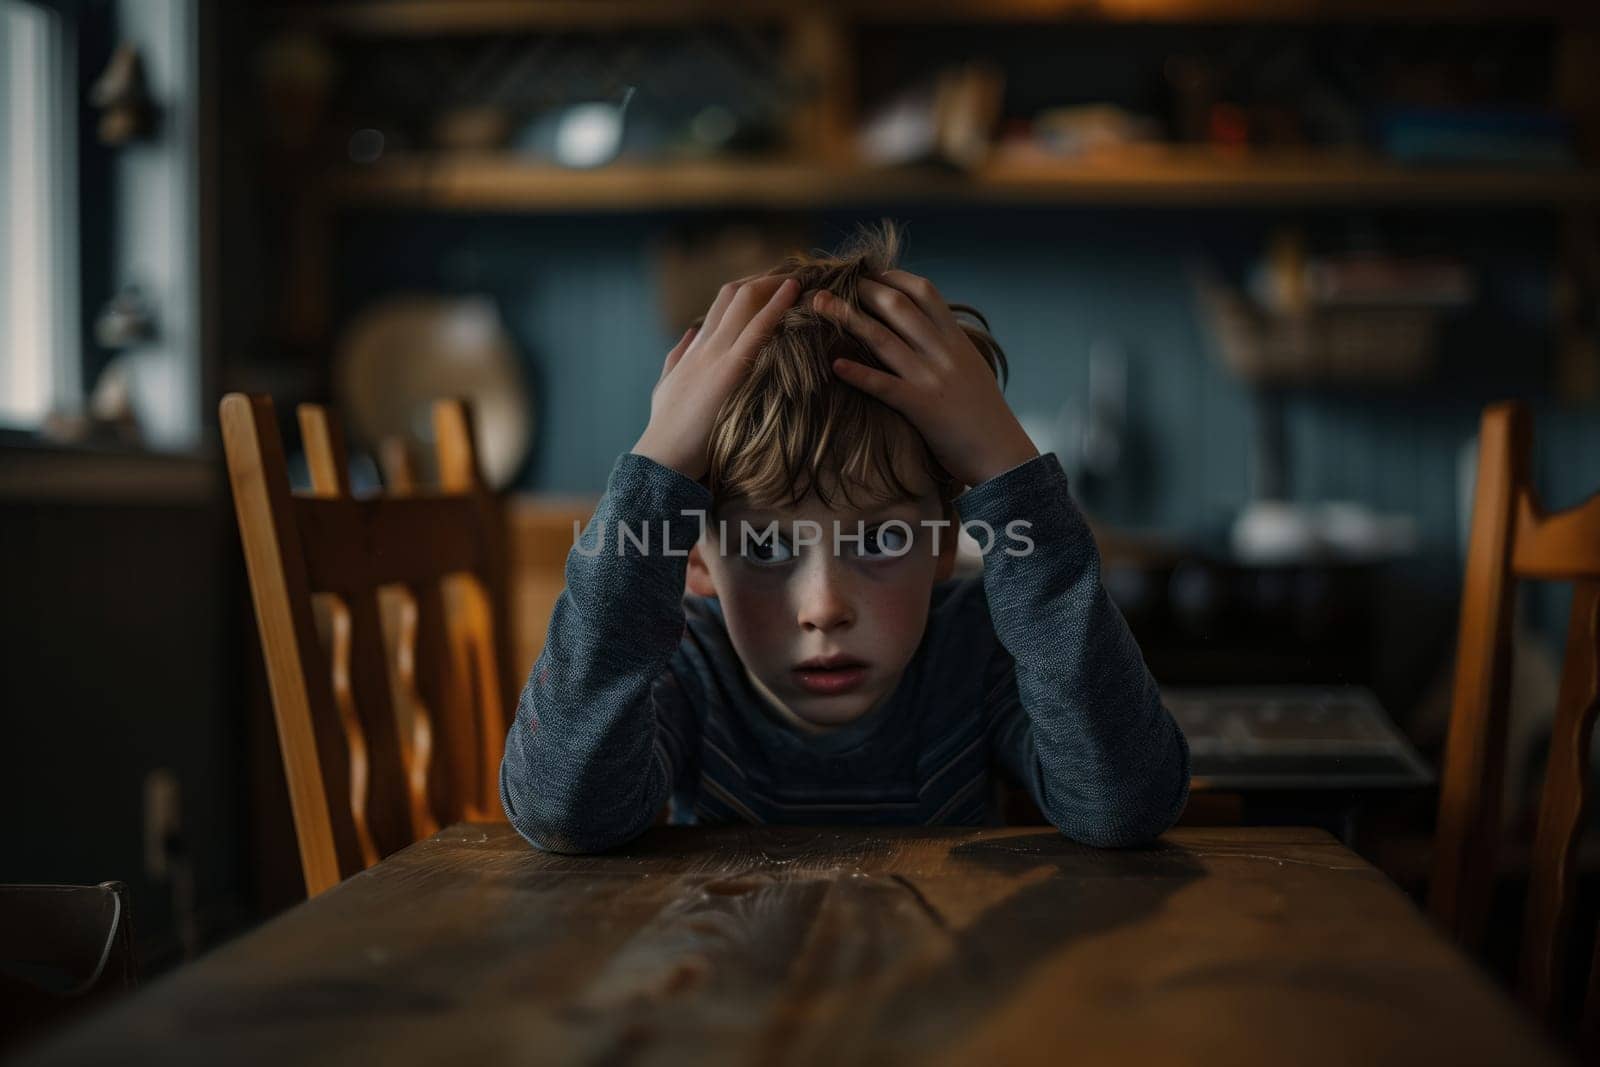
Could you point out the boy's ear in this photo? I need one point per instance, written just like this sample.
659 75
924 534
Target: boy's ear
699 574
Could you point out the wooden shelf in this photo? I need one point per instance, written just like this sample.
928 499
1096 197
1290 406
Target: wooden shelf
428 17
1155 177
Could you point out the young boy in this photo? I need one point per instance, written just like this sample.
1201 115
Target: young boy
827 669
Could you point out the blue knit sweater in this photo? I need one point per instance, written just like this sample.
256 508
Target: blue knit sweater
1027 671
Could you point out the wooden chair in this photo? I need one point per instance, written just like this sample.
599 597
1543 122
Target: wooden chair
1513 539
381 635
63 950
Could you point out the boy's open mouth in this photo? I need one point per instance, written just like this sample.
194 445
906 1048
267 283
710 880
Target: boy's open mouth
830 675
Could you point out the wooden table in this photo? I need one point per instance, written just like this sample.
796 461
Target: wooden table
765 946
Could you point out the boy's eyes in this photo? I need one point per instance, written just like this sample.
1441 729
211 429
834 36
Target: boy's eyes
776 550
880 542
886 541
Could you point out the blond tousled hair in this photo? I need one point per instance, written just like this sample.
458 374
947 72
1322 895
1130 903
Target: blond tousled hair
792 427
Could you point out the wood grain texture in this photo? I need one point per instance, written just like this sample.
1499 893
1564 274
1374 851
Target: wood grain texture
764 946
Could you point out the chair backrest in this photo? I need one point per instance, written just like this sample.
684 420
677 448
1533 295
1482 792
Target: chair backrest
1513 538
381 633
62 948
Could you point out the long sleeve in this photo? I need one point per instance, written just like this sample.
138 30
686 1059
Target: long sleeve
1074 715
604 725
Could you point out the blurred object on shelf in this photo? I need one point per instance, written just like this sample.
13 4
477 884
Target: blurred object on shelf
126 112
1366 279
1269 93
1228 128
590 134
1289 280
1272 532
967 107
578 99
132 401
1503 135
1345 345
950 119
695 260
1359 317
127 319
902 131
472 128
405 352
1091 129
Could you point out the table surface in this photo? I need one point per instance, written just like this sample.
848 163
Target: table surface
766 945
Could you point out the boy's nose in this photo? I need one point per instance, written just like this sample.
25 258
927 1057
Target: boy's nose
824 602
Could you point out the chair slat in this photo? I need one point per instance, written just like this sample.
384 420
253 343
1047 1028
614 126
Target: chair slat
362 544
1553 885
335 629
1562 546
315 752
453 440
397 608
481 634
471 631
384 728
325 452
399 470
390 807
1474 760
454 770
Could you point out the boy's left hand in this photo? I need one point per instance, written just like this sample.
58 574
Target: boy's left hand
941 383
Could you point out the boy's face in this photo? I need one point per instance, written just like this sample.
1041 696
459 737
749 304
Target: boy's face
788 604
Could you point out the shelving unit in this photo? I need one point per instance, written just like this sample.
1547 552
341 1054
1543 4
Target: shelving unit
821 169
430 17
1158 177
818 168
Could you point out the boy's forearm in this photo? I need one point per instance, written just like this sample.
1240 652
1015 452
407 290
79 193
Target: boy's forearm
584 769
1113 766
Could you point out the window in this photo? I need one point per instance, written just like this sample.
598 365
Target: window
39 345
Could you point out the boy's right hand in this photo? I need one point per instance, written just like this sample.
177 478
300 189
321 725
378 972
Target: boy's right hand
705 365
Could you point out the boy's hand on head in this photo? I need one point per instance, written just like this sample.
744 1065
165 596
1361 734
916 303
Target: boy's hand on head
704 367
939 380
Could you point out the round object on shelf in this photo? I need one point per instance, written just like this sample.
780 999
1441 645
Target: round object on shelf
405 352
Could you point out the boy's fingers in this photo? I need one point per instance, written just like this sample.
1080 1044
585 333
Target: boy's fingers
889 388
719 306
674 356
904 315
884 342
764 321
923 293
746 304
